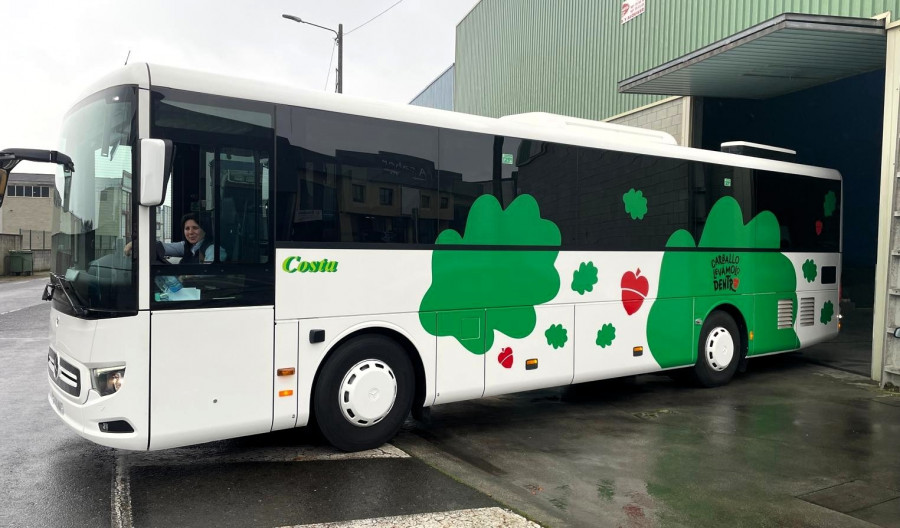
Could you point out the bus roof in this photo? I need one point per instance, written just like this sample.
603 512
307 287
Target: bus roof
535 126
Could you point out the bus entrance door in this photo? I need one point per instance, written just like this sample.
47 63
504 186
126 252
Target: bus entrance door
210 374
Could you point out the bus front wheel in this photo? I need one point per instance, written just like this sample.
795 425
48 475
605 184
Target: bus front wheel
718 351
364 393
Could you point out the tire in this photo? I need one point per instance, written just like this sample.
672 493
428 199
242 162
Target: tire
719 350
364 393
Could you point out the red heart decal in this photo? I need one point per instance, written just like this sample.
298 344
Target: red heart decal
818 227
734 283
505 357
634 290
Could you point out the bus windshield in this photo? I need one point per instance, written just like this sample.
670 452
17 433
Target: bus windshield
92 215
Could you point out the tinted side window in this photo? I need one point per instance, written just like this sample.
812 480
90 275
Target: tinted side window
630 201
548 171
344 178
471 165
710 183
808 209
475 164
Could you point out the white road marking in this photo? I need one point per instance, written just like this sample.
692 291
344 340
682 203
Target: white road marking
121 495
121 484
494 517
214 454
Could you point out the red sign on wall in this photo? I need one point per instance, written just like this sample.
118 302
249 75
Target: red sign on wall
631 9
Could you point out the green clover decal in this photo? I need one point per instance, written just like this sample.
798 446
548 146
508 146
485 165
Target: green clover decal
606 335
810 270
556 336
508 284
827 313
830 203
635 204
584 278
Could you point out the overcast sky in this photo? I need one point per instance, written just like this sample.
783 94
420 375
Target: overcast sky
51 50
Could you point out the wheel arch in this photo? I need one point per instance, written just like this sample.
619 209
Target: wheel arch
397 336
738 317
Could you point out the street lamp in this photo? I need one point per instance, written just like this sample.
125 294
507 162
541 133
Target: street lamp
340 46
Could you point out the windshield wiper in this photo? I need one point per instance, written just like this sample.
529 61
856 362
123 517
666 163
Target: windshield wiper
61 284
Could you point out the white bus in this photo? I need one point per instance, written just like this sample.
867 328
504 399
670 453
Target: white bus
366 259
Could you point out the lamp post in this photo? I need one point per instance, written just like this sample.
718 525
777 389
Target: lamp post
339 86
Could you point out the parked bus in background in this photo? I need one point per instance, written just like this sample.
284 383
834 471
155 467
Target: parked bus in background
369 259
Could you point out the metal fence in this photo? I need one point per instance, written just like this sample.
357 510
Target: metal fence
32 239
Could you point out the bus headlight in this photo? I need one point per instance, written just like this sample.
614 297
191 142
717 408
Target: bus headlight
108 380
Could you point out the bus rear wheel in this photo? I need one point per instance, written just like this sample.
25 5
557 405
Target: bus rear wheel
364 393
718 351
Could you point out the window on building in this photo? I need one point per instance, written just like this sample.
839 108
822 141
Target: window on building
29 191
359 193
385 196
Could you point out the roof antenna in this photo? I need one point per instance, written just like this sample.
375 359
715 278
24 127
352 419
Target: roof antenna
126 58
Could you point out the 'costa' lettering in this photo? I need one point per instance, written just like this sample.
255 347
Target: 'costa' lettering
295 264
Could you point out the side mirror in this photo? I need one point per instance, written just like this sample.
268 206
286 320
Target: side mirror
9 158
156 165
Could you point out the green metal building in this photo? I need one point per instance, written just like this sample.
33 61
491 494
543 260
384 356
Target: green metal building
567 56
821 77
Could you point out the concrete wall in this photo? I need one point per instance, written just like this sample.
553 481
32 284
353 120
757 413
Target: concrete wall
41 259
20 212
668 116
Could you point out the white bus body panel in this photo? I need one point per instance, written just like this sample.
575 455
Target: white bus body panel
284 410
460 373
554 365
812 296
87 344
211 374
603 306
362 282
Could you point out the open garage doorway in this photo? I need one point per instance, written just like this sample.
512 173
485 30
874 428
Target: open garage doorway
816 84
836 125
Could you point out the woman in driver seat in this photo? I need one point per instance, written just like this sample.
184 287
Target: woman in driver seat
197 246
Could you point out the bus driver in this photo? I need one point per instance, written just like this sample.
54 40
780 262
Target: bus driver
197 246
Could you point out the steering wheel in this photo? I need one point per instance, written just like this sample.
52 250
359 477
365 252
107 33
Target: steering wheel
161 253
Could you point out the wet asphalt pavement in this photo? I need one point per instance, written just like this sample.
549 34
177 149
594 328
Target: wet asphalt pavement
52 477
789 443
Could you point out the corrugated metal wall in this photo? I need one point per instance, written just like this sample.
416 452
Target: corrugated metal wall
567 56
438 94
